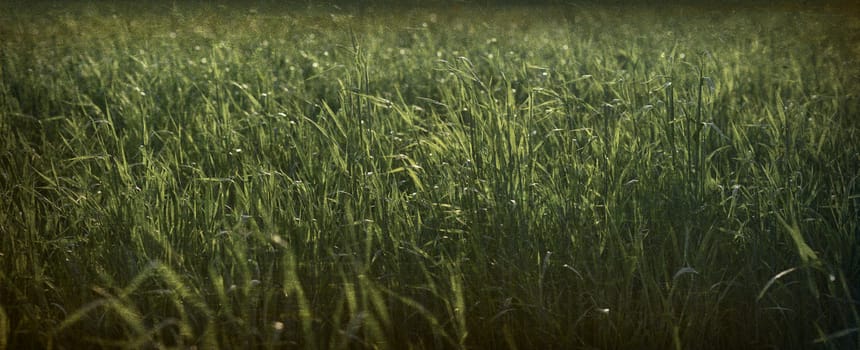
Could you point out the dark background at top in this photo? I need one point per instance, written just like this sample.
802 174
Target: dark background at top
843 4
435 3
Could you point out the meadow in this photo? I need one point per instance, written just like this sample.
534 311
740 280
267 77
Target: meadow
438 177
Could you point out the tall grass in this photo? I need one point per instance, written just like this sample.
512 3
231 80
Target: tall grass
314 177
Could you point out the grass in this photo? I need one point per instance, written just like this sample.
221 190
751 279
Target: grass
446 177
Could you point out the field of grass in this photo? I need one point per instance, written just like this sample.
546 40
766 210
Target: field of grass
216 176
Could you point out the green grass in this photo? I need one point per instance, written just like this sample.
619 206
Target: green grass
444 177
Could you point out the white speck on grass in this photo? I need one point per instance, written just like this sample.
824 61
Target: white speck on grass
277 239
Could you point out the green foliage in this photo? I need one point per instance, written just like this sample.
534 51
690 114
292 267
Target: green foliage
326 177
